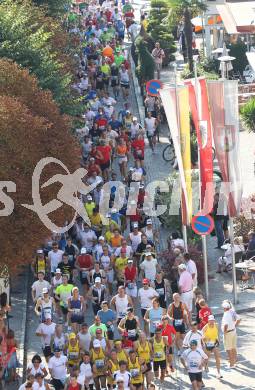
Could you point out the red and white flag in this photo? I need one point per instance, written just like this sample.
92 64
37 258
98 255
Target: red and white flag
223 99
200 111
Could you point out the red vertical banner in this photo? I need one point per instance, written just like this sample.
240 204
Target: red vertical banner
200 111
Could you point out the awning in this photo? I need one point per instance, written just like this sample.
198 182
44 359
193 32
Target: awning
238 17
251 58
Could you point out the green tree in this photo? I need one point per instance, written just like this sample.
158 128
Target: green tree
158 27
54 7
33 41
145 68
185 10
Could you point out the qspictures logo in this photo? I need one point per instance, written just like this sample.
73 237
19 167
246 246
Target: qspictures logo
73 191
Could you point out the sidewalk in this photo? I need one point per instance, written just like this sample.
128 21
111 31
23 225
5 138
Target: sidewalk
220 285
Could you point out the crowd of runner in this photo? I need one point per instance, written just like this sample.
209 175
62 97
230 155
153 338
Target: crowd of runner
112 266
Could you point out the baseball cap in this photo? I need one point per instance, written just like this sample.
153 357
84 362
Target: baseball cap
134 118
98 280
45 290
83 251
193 342
225 305
89 197
57 349
101 238
135 225
211 318
58 271
146 281
39 251
96 344
149 222
130 261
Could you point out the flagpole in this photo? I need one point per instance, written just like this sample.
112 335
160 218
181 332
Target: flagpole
231 234
204 247
184 227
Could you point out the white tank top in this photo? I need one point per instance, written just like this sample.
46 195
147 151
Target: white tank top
121 306
149 234
47 307
105 261
135 240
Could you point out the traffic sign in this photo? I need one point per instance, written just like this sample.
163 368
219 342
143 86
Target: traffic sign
202 224
153 86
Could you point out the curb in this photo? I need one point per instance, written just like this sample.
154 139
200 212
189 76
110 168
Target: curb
21 352
140 106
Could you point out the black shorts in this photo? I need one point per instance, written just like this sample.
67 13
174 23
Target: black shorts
180 328
110 335
170 350
105 165
148 367
64 309
47 351
77 319
137 385
143 311
195 376
161 364
124 85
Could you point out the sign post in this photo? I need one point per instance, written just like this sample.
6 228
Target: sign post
203 225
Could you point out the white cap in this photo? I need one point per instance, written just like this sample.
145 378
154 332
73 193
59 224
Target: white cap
101 238
147 254
182 266
135 225
83 251
45 290
226 305
39 251
89 197
58 271
149 222
130 261
98 280
47 316
211 318
134 118
96 344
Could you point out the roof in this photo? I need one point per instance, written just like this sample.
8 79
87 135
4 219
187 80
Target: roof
238 17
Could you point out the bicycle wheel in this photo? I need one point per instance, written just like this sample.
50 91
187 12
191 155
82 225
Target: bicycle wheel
168 153
213 153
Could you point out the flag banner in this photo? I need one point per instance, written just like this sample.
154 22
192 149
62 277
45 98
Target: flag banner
184 124
200 111
171 102
223 98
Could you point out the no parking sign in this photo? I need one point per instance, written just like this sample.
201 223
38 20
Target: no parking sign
153 86
202 224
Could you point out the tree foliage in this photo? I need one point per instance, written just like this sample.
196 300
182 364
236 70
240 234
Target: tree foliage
31 128
158 27
145 69
38 43
55 8
184 11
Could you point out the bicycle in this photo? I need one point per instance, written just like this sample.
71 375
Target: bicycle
168 153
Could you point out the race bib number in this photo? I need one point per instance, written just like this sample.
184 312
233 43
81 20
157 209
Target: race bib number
131 286
193 364
131 332
99 363
134 372
178 322
160 291
84 274
158 355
